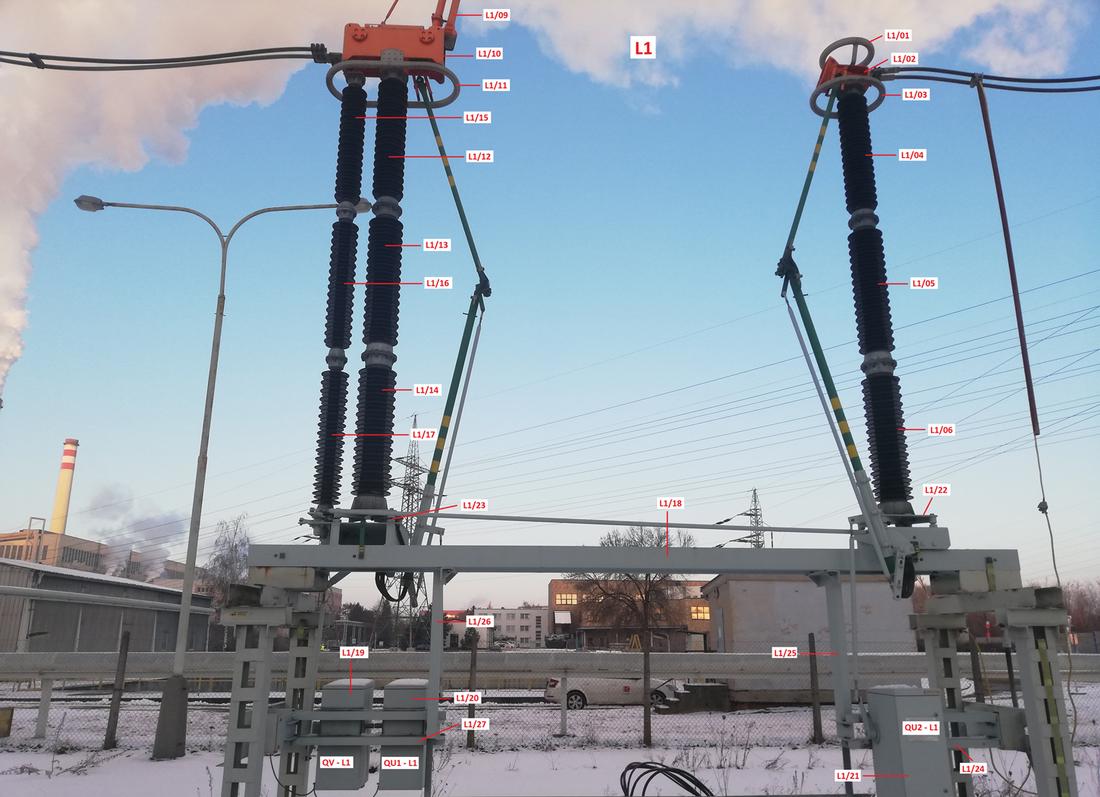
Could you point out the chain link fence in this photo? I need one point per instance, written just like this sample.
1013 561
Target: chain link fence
725 702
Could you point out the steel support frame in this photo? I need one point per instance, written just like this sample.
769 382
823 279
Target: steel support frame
940 634
246 729
574 558
1034 635
1041 684
301 688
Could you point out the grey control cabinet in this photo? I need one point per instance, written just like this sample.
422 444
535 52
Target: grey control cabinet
353 695
903 743
401 695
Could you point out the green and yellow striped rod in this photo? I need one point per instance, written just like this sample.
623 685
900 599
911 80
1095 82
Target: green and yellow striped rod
789 271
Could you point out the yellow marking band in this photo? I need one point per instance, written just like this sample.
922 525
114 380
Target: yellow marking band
852 451
836 403
844 427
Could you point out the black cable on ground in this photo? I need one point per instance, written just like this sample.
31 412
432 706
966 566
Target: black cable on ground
637 776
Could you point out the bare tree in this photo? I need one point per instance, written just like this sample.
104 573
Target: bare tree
641 600
228 564
1082 600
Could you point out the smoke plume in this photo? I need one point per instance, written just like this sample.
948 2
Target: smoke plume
150 533
56 121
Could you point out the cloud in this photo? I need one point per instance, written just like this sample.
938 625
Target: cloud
57 121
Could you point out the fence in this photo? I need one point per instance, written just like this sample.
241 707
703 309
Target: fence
62 700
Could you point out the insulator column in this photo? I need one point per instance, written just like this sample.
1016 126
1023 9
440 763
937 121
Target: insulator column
881 391
345 234
377 380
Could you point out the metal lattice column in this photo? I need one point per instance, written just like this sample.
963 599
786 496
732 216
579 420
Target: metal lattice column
247 725
940 633
1036 644
301 688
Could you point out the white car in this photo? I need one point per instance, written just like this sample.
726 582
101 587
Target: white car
583 691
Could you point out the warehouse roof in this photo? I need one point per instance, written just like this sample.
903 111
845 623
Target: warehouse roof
83 575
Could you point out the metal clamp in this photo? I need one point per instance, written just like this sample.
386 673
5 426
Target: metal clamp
425 66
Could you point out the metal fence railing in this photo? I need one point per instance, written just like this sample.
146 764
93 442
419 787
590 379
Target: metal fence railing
769 701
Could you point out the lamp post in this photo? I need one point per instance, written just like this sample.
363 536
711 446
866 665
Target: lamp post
172 721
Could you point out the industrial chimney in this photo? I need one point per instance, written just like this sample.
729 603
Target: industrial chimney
60 516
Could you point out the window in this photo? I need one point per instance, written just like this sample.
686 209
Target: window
538 619
524 616
566 599
525 628
511 615
700 612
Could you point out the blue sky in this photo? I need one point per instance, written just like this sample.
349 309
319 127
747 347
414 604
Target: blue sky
634 346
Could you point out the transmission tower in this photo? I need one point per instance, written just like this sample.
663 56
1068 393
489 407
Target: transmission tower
756 520
412 490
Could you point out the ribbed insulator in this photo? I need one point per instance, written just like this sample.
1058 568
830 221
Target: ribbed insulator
326 484
349 154
389 173
375 416
383 302
341 271
855 150
872 300
889 453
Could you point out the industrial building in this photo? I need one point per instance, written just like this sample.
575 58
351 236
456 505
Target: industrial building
52 609
54 548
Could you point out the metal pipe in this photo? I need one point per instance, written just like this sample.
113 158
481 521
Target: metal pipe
1008 253
612 522
458 419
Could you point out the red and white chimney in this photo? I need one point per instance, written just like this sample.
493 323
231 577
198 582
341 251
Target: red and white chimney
60 516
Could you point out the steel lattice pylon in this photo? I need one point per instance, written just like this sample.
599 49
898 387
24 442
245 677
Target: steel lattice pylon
412 492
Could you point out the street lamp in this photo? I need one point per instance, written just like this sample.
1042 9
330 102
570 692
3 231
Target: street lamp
172 721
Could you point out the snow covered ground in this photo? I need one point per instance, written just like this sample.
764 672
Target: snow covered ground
758 770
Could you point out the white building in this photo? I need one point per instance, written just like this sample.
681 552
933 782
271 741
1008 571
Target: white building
751 613
525 626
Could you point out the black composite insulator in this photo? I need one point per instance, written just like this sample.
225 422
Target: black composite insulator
855 151
389 172
349 155
341 272
374 421
375 417
334 382
872 300
881 390
334 390
383 265
889 453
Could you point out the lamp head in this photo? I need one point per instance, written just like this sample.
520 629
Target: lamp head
89 203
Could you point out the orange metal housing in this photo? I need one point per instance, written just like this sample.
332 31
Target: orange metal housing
834 69
367 42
